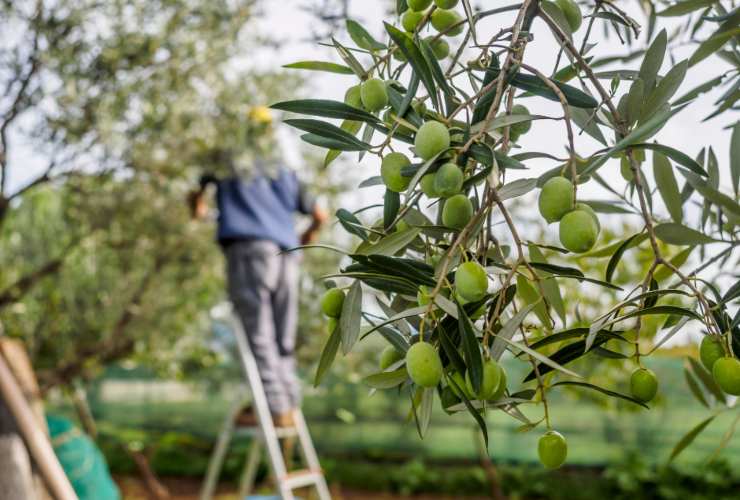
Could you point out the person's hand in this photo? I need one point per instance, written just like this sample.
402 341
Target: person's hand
197 205
308 236
318 217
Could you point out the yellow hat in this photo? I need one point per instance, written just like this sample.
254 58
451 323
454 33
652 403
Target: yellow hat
261 115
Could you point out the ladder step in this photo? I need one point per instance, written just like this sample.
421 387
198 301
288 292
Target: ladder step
301 478
280 432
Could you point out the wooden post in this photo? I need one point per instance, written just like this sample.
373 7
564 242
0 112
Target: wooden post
36 440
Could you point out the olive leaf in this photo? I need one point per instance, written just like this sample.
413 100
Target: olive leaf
667 186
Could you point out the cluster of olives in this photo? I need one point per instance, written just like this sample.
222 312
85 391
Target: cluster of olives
432 138
425 370
725 369
443 18
331 306
579 225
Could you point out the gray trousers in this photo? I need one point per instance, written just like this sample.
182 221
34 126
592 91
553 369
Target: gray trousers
263 286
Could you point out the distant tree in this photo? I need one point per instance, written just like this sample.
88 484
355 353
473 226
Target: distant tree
127 103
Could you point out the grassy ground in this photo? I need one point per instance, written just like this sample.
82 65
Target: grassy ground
347 422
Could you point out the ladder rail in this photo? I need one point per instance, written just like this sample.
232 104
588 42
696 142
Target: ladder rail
249 363
266 436
219 454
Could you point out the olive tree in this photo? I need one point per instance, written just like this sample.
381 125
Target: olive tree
457 279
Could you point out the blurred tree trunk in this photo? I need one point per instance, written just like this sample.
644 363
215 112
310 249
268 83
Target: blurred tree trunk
16 479
488 467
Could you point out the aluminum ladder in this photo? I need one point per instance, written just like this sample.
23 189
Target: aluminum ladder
266 436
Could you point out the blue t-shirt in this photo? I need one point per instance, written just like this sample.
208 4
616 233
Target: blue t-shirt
261 208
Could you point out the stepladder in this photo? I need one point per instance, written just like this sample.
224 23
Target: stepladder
265 438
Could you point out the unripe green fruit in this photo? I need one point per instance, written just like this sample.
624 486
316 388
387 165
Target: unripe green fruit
423 364
352 97
726 372
411 19
471 281
331 302
459 380
431 138
389 356
461 300
446 4
578 231
587 208
489 384
572 13
331 325
418 4
390 171
710 351
556 199
501 389
440 47
552 449
475 315
643 384
442 19
427 186
457 212
448 180
374 94
520 128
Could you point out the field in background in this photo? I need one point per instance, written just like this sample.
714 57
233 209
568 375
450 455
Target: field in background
346 422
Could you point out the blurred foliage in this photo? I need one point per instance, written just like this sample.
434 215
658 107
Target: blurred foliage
628 478
124 104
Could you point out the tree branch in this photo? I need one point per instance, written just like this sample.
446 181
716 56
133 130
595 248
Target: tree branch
115 346
16 107
15 291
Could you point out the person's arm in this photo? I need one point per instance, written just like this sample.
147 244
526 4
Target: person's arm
318 217
197 199
307 205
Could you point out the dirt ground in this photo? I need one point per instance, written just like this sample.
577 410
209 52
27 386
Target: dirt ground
188 489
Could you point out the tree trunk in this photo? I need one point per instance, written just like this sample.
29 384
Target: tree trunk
84 413
488 467
16 478
157 490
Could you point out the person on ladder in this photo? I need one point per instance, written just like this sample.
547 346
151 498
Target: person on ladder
257 204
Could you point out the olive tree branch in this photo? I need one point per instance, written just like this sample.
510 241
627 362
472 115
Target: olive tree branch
623 130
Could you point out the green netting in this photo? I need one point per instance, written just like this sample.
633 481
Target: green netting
82 461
